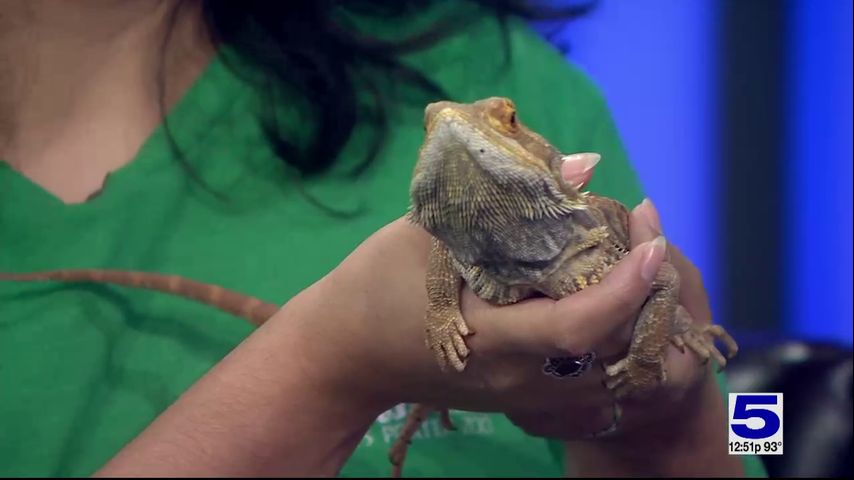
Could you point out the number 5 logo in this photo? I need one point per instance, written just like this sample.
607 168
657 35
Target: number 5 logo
751 406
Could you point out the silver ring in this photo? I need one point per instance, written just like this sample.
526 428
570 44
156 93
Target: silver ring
615 422
561 367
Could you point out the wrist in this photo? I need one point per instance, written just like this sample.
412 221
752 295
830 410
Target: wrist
330 353
381 357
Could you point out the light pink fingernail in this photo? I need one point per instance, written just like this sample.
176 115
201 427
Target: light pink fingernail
653 259
650 215
579 163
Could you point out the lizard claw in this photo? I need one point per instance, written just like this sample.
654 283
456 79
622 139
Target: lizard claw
696 339
445 339
678 342
626 377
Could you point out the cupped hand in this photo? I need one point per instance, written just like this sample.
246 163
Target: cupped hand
686 373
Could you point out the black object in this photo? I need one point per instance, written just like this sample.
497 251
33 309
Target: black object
568 366
816 381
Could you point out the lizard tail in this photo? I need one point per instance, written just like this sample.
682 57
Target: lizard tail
243 306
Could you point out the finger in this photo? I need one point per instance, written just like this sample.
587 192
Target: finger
580 322
574 424
644 223
577 169
692 292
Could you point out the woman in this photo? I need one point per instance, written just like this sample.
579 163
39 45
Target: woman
282 171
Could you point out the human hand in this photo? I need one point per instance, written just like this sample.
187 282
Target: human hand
684 372
680 429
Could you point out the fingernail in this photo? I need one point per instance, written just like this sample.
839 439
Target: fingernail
650 215
653 259
579 163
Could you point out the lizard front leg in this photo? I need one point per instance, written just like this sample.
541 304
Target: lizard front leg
662 321
643 368
445 327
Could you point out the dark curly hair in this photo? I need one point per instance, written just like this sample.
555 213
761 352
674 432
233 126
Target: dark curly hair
310 47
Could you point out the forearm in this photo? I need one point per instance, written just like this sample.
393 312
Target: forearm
265 410
693 443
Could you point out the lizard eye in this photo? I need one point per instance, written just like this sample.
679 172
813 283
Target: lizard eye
510 120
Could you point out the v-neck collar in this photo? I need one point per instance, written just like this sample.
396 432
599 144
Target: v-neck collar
206 101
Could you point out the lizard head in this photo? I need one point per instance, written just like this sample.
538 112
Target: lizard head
480 163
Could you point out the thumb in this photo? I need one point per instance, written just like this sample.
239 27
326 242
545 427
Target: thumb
583 321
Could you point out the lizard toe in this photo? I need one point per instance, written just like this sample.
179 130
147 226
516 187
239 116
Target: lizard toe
462 326
460 345
678 342
615 382
616 368
453 357
718 332
697 345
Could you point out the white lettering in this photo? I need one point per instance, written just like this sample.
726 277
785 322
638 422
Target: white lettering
390 432
392 422
398 412
477 425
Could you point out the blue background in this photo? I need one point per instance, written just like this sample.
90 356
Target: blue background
658 63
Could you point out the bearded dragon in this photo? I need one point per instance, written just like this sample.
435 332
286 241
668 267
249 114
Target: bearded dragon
246 307
505 222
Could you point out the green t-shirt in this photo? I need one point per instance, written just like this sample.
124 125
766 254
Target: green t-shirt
84 369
